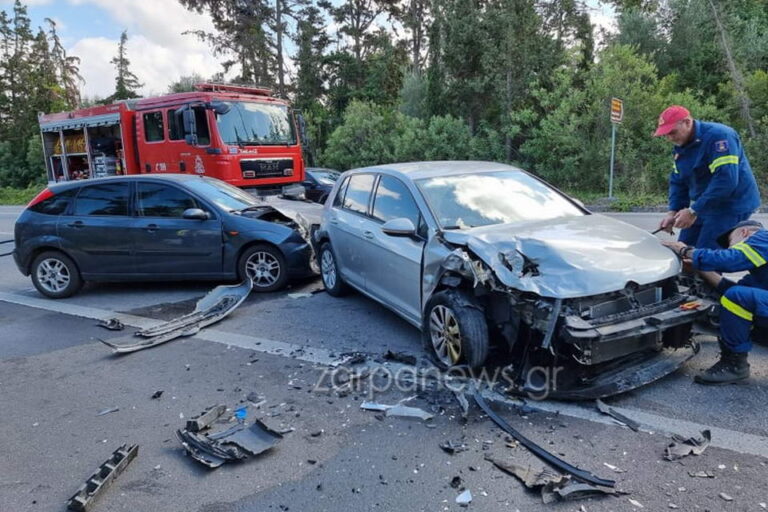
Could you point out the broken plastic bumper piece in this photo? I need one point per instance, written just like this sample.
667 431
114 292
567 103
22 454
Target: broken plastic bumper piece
102 478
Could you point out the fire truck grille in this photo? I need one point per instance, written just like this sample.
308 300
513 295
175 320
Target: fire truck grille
278 168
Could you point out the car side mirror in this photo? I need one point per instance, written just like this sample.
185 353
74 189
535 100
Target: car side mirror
195 214
399 227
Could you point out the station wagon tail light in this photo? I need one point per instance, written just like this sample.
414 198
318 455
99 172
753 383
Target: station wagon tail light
42 196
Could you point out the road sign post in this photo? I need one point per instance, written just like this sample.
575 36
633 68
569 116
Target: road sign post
617 116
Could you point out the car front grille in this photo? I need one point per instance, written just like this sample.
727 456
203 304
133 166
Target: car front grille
266 168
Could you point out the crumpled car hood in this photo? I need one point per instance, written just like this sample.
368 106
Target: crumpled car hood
576 256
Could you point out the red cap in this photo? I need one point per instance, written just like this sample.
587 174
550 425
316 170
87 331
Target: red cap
669 118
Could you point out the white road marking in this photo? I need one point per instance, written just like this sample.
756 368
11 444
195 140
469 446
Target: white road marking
308 354
740 442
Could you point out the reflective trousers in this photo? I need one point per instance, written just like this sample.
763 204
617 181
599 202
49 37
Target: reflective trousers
742 307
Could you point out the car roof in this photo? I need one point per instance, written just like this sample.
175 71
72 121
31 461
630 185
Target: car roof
419 170
175 178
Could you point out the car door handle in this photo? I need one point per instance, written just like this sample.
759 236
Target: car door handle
334 220
77 224
151 228
368 235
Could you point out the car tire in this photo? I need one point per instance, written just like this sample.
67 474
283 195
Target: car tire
455 331
265 266
329 272
55 275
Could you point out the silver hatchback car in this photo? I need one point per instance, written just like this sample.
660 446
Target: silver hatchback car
486 258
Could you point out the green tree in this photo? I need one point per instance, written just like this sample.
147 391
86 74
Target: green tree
126 83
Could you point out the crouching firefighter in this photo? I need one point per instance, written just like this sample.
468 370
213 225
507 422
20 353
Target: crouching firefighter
745 247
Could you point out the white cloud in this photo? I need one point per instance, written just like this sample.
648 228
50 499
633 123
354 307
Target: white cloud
158 51
28 3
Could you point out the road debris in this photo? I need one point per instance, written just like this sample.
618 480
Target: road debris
236 443
102 478
157 394
216 305
464 499
552 485
540 452
398 410
616 415
681 447
726 497
701 474
452 447
456 482
613 468
300 295
113 324
403 411
400 357
107 411
206 418
463 403
636 503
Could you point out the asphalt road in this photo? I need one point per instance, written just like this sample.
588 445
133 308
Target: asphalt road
56 378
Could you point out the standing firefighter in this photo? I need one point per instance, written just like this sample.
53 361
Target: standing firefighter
711 187
743 304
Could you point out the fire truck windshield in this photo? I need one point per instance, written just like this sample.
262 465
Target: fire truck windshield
256 124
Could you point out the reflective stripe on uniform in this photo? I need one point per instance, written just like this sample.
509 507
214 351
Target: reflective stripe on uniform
735 308
723 160
674 168
751 254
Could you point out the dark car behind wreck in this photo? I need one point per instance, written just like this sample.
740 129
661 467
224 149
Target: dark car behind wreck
487 259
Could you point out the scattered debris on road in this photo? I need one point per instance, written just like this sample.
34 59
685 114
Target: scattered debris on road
400 357
453 447
636 503
107 411
681 447
206 418
113 324
102 478
216 305
157 394
465 498
616 415
398 410
701 474
552 485
726 497
540 452
237 442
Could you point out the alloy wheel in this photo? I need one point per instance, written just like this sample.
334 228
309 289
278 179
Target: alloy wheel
53 275
263 269
445 334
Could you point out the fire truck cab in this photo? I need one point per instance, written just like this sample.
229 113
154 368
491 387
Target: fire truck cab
241 135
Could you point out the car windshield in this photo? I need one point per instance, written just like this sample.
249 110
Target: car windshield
470 200
325 177
222 194
256 124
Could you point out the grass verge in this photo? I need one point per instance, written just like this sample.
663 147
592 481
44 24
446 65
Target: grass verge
17 196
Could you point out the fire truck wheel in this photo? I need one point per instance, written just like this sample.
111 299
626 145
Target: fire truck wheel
55 275
265 266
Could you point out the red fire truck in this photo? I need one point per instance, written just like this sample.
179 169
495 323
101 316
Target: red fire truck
238 134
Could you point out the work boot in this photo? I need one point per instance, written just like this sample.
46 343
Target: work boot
732 367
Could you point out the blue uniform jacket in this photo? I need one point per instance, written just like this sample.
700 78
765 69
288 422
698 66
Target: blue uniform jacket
711 174
751 255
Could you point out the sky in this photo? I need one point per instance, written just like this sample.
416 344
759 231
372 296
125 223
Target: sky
159 53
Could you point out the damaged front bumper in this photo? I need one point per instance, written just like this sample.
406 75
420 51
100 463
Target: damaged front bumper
618 376
663 324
